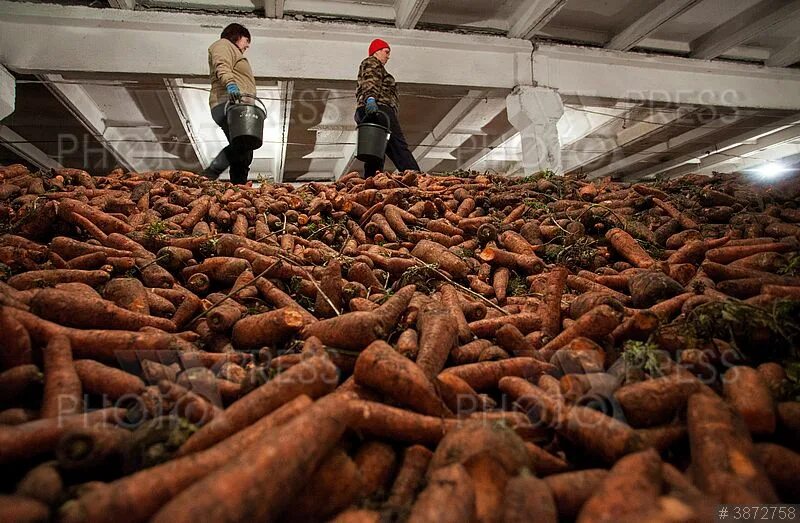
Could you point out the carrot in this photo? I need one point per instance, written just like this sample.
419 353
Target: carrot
437 336
631 488
628 248
656 401
583 285
595 433
525 322
685 221
93 448
221 269
356 330
783 291
543 462
308 438
529 264
23 509
528 498
469 353
42 483
410 476
639 326
376 461
377 420
747 392
782 466
572 489
62 386
90 261
448 497
15 343
314 377
50 277
407 344
450 298
138 496
487 374
381 368
595 324
68 309
28 440
355 515
723 462
512 340
556 282
189 405
17 416
500 284
669 308
104 221
16 381
269 328
431 252
337 480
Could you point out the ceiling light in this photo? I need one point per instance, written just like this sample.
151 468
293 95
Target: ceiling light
771 170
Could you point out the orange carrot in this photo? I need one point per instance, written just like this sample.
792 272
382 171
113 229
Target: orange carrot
448 497
595 324
382 421
528 498
437 336
62 387
269 328
410 476
381 368
487 374
572 489
50 277
314 377
748 393
15 343
629 248
142 494
551 321
69 309
17 380
308 439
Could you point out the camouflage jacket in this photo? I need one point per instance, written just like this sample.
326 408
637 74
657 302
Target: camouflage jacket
374 80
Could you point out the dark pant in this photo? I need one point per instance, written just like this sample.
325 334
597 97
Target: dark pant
396 149
238 158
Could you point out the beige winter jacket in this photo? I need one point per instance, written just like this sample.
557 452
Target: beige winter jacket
227 64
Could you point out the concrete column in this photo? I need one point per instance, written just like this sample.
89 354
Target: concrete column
7 92
534 112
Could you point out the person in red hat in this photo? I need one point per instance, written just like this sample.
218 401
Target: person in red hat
377 91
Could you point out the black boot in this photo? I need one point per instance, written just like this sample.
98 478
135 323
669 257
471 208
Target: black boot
217 166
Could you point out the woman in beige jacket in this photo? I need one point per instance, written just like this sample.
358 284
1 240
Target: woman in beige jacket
231 79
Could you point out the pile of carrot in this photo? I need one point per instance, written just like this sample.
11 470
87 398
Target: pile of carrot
410 347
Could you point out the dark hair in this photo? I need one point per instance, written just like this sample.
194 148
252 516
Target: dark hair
234 32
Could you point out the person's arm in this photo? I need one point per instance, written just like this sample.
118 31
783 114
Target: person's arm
223 58
370 78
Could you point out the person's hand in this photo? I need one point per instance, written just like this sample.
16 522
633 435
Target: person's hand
371 106
233 93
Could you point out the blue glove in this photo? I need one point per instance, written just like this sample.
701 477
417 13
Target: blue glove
233 92
371 106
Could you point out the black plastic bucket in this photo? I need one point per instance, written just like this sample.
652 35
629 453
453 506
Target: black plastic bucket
372 139
246 123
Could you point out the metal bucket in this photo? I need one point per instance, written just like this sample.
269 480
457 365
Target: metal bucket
246 123
372 139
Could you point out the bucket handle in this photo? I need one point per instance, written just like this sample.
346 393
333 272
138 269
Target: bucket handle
254 97
388 120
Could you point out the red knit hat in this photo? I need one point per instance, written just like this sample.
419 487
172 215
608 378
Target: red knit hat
377 45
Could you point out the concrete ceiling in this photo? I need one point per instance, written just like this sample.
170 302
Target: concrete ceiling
161 120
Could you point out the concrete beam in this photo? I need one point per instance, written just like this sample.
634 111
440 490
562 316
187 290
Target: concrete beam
581 71
273 8
409 12
80 104
532 16
535 112
743 27
649 23
8 92
450 121
173 86
663 147
339 9
143 42
24 149
787 56
782 131
122 4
